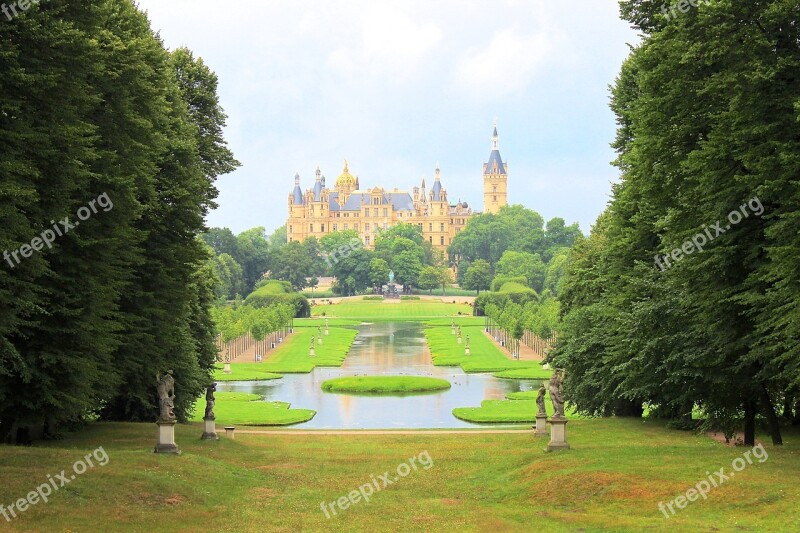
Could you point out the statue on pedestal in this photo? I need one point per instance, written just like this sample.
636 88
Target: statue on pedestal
540 400
210 402
166 397
556 394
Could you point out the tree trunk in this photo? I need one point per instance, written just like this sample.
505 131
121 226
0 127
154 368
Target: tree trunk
795 420
772 417
749 423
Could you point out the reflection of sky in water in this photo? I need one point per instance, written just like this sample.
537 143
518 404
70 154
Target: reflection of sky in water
395 349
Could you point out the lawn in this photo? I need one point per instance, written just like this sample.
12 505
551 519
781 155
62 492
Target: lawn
612 479
240 408
385 384
484 356
382 311
293 355
520 407
244 372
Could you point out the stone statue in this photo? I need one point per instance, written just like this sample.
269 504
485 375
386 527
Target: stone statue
166 397
391 276
540 400
210 401
556 394
312 342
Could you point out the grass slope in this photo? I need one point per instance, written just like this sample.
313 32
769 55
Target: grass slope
375 311
385 384
239 408
485 356
293 355
612 479
535 372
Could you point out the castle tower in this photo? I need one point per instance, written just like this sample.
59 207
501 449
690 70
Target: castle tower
346 183
495 179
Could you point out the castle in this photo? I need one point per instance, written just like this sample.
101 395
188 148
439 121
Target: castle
319 211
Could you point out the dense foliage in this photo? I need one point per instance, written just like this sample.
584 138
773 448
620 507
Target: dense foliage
94 107
687 293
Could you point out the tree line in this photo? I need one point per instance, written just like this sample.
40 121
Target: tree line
93 104
709 154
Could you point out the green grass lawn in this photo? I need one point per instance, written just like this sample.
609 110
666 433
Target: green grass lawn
385 384
244 372
485 356
293 355
240 408
519 407
612 479
375 311
535 372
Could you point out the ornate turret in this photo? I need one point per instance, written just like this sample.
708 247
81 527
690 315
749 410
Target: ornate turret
495 178
297 194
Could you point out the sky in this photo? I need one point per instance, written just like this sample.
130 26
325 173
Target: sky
397 87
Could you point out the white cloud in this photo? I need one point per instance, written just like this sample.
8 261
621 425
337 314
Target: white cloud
507 65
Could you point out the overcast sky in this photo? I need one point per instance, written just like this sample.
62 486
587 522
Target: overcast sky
395 87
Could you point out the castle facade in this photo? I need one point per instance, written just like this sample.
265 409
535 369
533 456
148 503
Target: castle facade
320 210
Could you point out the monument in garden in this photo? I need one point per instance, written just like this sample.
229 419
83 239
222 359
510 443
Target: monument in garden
209 420
311 352
558 422
540 429
166 420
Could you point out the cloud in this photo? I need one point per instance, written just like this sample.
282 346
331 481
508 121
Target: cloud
386 40
507 65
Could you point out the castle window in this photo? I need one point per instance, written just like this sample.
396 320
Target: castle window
441 227
345 226
366 226
385 212
290 229
335 227
311 228
430 239
367 240
355 226
495 199
442 240
495 188
375 212
430 226
322 228
400 214
366 211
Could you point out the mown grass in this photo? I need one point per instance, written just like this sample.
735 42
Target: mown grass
536 372
612 479
293 355
385 384
244 372
239 408
518 407
484 355
373 311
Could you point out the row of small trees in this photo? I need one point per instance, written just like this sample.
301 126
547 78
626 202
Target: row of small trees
510 322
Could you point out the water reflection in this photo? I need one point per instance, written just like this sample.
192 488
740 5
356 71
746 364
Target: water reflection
390 348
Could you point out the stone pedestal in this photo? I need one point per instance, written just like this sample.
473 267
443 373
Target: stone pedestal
311 352
319 341
540 429
558 435
209 429
166 438
452 331
327 331
230 432
226 368
459 340
466 351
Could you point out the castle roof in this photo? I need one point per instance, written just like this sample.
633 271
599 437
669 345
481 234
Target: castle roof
495 164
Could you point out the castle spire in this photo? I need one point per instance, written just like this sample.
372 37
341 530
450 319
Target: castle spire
495 138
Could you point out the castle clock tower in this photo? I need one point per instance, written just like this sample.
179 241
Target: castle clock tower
495 179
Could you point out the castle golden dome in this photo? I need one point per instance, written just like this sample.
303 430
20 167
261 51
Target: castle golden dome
346 179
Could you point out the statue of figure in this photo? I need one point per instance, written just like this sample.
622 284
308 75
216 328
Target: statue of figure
467 341
166 397
210 401
540 400
391 276
556 394
312 342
